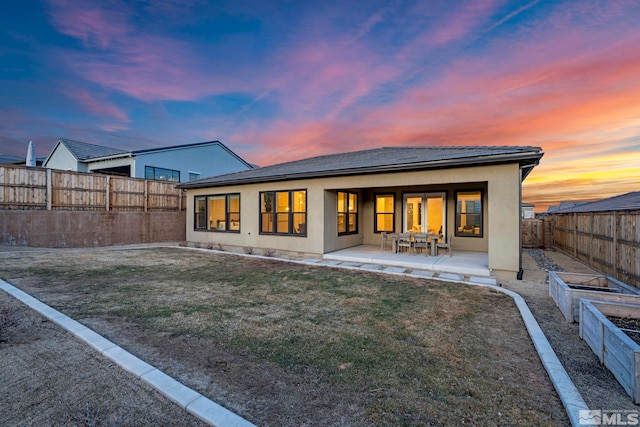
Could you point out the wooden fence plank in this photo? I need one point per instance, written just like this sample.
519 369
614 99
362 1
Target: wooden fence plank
46 189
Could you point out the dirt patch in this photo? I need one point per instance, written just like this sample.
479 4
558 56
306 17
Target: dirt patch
631 327
49 378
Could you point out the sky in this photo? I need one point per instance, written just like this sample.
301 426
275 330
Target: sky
283 80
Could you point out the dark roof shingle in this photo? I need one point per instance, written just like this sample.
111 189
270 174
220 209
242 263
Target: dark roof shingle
385 159
622 202
85 151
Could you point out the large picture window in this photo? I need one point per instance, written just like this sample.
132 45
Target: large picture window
347 213
469 213
283 212
220 212
385 213
161 174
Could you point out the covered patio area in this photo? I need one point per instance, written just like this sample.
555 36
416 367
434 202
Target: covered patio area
466 263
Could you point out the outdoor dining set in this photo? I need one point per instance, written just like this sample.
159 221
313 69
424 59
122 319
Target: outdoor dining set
413 243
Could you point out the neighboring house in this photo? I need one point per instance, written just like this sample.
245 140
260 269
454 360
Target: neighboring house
12 159
564 205
326 203
622 202
527 210
177 163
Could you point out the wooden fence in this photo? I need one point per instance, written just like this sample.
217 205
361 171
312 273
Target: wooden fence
607 241
46 189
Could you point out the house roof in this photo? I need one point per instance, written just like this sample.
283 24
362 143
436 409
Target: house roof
378 160
84 151
623 202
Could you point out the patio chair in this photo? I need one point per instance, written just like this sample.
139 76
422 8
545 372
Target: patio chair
420 242
405 240
445 245
386 241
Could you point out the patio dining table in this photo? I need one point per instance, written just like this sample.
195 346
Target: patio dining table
430 237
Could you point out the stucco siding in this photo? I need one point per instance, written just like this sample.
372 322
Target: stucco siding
62 159
207 160
499 184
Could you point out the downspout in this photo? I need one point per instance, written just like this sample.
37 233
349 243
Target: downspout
520 270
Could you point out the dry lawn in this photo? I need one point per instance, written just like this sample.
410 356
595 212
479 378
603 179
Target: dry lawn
285 344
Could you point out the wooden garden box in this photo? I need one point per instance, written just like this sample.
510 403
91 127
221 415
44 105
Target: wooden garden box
619 353
567 289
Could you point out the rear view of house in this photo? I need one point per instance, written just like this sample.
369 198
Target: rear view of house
326 203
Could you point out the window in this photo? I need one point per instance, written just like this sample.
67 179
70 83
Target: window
347 213
194 175
161 174
220 212
283 212
385 213
469 213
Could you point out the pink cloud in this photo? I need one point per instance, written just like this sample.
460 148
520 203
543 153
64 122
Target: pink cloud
99 107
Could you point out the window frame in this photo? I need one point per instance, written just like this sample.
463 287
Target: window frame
347 213
172 173
291 214
392 213
227 213
458 217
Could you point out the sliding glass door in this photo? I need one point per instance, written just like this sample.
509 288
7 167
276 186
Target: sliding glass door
424 213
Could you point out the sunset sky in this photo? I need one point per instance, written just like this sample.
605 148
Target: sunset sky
283 80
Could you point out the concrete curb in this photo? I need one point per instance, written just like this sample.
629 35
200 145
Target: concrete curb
569 395
195 403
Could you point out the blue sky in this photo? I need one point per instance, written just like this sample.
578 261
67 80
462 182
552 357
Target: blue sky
283 80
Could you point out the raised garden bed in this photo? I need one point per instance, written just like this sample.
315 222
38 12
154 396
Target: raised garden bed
567 289
619 353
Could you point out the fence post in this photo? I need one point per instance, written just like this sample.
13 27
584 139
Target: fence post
591 241
49 190
614 249
146 195
575 235
107 193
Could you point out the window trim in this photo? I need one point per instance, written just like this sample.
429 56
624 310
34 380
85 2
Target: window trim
457 214
347 213
375 213
227 212
291 213
153 168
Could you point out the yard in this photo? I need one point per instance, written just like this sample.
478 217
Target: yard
287 344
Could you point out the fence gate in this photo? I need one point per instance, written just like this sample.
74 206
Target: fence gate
532 233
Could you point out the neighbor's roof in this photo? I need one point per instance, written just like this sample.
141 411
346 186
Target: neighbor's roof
623 202
84 152
385 159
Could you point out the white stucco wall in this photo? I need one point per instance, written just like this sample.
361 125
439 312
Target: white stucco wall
61 158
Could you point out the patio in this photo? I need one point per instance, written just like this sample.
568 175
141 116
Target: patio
462 262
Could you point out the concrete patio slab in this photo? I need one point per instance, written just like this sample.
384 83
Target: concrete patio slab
462 262
422 273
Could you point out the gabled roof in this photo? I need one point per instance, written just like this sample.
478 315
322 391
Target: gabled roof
623 202
84 151
378 160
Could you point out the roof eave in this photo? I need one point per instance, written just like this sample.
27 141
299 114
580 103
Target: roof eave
526 160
